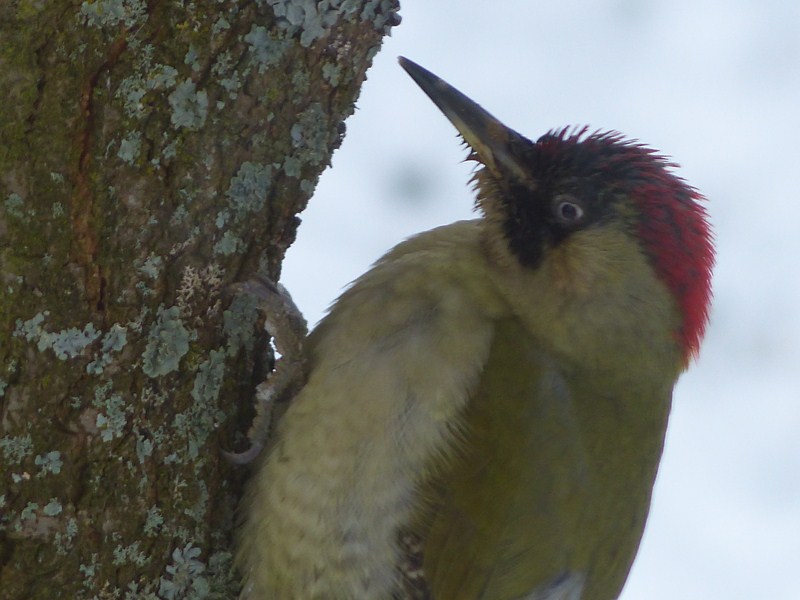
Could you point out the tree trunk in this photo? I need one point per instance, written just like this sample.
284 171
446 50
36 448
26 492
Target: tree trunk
152 153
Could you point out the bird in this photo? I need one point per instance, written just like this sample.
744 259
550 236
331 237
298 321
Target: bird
485 409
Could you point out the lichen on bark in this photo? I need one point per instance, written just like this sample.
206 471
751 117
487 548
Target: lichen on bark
152 154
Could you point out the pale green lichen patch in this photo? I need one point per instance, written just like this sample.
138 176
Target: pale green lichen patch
189 106
179 216
29 512
221 24
49 463
307 186
301 82
130 554
228 244
113 341
331 73
199 508
239 323
142 288
149 77
16 449
14 206
167 343
32 328
203 417
67 343
226 74
111 420
161 77
129 147
184 578
151 266
222 218
309 17
71 342
52 508
265 50
131 90
247 195
192 58
382 14
64 541
208 380
154 521
310 136
291 166
89 570
313 19
112 13
248 189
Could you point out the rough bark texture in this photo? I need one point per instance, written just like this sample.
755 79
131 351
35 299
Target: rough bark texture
151 154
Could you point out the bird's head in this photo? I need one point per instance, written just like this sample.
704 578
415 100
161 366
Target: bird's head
577 203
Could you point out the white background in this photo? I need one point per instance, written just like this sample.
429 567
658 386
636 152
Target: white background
716 85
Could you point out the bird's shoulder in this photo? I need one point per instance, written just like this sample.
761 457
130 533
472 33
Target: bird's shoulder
439 275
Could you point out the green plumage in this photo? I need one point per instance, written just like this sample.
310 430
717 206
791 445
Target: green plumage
554 478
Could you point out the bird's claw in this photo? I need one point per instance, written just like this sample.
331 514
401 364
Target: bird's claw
285 323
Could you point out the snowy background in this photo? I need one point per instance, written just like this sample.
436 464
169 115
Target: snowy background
716 85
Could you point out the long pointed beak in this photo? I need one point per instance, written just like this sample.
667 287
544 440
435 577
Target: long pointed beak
488 137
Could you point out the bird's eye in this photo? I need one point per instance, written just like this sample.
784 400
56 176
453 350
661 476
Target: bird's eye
568 212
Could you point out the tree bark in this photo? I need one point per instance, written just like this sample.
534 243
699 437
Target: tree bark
152 153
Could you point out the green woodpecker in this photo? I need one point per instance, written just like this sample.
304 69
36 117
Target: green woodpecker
496 390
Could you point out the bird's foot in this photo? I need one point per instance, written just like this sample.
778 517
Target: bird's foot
284 322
